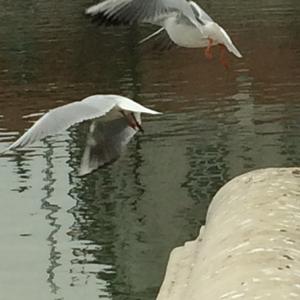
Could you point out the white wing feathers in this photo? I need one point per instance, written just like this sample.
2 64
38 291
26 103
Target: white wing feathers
106 6
148 11
229 44
128 11
61 118
130 105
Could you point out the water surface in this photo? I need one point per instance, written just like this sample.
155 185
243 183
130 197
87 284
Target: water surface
108 235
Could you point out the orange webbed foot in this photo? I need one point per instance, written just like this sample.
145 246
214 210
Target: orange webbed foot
223 57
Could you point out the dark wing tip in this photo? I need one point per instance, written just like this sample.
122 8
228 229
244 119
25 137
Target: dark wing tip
101 18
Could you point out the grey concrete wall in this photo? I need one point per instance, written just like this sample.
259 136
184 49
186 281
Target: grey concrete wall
249 247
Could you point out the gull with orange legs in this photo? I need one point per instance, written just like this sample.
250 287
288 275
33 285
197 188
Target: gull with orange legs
115 120
183 22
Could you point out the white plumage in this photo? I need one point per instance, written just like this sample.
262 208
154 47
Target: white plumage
107 136
185 22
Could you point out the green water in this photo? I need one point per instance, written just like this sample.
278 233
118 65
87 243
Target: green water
108 235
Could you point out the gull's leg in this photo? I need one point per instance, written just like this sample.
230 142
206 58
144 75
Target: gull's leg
223 57
207 51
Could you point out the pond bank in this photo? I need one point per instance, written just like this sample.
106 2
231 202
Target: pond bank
250 245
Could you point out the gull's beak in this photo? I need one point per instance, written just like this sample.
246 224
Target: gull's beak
132 121
136 123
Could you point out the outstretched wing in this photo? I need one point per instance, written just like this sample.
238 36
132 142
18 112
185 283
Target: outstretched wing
60 118
105 143
130 105
131 11
224 37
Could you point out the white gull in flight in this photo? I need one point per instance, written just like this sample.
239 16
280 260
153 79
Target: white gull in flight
185 22
116 119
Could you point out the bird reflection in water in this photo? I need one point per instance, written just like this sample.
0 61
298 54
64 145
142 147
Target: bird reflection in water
106 141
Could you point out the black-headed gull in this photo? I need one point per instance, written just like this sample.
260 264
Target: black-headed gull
185 22
116 119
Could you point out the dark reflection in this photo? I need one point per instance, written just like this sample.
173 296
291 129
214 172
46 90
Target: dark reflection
106 140
114 219
124 219
23 170
54 254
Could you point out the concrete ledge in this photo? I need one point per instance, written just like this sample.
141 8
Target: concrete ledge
249 247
